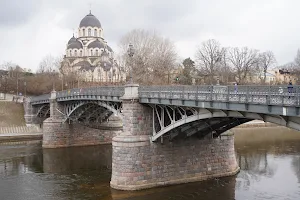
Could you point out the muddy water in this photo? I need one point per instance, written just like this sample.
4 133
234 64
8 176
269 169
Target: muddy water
269 159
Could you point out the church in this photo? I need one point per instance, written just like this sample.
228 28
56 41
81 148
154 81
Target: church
89 57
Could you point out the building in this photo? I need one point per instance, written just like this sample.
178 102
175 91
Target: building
89 57
257 78
284 76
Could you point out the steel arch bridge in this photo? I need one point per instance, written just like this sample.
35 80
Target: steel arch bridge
185 111
82 105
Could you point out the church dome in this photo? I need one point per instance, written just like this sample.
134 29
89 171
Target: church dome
109 48
90 20
73 39
74 44
96 44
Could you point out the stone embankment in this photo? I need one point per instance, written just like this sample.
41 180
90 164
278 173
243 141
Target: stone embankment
13 129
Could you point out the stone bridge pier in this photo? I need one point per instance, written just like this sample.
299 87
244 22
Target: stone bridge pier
138 163
59 132
30 114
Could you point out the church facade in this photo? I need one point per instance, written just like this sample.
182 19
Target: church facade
89 57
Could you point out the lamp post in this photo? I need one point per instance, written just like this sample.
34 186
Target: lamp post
25 89
53 83
130 52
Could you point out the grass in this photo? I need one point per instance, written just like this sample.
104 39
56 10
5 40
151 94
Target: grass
11 114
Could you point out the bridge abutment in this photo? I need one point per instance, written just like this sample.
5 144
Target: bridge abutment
138 163
30 115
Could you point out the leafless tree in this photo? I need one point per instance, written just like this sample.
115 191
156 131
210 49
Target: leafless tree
208 58
297 60
243 62
266 60
154 59
50 64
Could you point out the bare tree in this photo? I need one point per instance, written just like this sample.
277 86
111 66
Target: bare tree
208 58
243 62
297 60
50 64
154 58
266 60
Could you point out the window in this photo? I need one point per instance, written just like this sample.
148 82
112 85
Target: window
97 53
91 52
71 53
89 32
80 53
75 53
83 32
95 33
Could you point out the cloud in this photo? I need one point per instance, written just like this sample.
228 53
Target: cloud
14 12
32 29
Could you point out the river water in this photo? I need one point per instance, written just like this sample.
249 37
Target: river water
269 159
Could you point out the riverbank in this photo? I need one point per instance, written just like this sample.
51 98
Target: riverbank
256 124
20 138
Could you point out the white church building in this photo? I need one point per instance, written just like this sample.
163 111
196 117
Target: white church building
89 57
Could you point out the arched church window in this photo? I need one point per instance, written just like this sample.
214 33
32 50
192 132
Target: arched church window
99 33
75 53
95 33
89 32
83 32
91 52
80 53
71 53
97 52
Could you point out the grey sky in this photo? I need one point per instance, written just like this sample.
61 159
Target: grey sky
31 29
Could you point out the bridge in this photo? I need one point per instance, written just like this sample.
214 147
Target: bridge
170 134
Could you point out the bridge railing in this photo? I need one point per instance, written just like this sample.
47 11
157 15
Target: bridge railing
270 95
40 99
97 91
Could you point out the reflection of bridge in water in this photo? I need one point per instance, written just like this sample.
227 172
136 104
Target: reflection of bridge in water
77 159
183 118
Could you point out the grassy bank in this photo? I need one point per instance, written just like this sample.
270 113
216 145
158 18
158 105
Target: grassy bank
11 114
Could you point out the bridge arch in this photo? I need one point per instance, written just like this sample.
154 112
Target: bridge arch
76 110
172 120
43 111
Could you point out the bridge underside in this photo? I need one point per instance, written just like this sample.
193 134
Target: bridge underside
174 122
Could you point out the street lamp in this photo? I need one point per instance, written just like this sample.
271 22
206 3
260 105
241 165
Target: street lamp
53 82
25 84
130 52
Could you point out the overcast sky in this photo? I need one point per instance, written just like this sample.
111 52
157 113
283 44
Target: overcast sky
32 29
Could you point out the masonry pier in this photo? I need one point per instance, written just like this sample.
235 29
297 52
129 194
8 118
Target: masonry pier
138 163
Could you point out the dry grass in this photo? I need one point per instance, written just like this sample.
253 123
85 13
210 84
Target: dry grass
11 114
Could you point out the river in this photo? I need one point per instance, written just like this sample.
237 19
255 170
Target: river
269 159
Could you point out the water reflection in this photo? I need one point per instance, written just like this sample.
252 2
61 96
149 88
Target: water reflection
77 159
21 159
207 190
269 161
